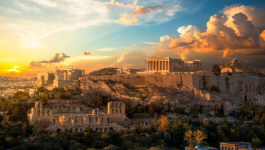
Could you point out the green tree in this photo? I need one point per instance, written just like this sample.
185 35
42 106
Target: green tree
188 136
256 142
151 108
41 89
199 136
216 70
164 125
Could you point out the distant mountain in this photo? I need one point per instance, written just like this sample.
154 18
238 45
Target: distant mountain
104 71
237 67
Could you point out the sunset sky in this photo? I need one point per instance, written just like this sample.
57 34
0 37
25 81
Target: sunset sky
44 35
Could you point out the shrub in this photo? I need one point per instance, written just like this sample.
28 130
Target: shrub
209 115
179 110
215 88
43 101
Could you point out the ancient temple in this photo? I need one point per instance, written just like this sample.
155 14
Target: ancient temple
166 65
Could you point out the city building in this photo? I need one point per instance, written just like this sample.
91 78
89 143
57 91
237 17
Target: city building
201 148
234 145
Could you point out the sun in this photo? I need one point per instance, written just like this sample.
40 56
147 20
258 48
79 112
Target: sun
13 70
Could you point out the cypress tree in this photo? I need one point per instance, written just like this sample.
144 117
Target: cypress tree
251 105
168 106
221 109
216 109
246 95
200 109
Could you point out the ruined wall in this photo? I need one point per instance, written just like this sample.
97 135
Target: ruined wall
172 80
231 84
62 83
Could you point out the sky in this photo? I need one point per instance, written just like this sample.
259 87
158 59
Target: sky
45 35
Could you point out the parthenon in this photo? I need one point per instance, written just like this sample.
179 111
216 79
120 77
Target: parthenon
167 64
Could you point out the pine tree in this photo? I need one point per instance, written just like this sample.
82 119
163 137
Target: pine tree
216 109
88 131
221 109
168 106
200 109
251 106
246 95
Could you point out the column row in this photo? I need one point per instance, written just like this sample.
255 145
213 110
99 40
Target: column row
157 65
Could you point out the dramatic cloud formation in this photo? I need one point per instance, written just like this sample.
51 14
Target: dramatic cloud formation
134 59
54 59
239 37
141 10
87 53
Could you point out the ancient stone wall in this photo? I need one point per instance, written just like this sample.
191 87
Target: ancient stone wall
172 80
62 83
231 84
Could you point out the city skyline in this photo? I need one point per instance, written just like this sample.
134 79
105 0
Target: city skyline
47 35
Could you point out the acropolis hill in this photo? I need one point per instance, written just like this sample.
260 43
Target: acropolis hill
179 83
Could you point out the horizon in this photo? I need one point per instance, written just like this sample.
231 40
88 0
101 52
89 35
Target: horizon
90 35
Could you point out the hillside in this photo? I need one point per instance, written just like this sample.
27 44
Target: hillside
104 71
237 66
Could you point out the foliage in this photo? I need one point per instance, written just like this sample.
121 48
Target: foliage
179 111
42 89
216 70
178 135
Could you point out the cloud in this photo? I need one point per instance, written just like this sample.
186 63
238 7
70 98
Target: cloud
219 37
151 43
112 2
87 53
105 49
221 40
63 15
187 30
34 64
8 10
157 13
133 59
56 58
255 15
26 7
127 19
140 11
